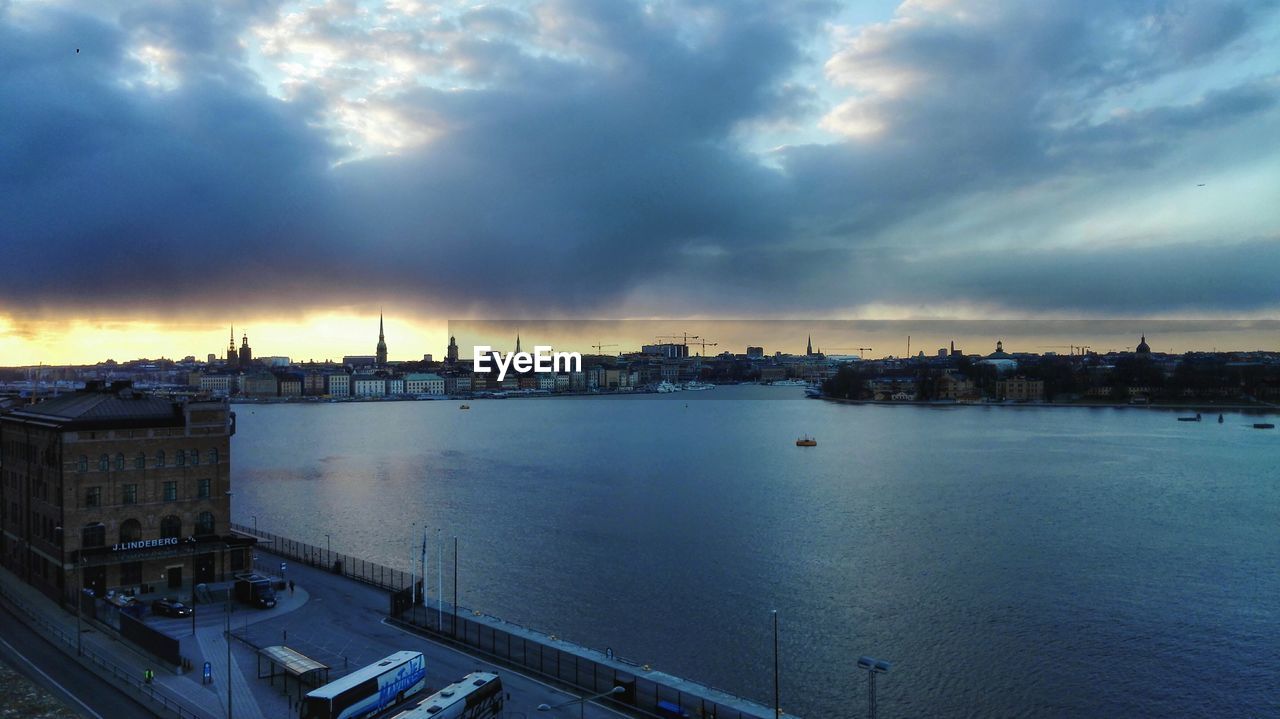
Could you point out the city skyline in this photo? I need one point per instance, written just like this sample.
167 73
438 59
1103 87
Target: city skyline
569 159
408 341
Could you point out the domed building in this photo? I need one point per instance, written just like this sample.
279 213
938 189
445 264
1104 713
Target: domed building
1143 348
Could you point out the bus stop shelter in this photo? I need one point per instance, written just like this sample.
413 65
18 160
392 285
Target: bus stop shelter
286 662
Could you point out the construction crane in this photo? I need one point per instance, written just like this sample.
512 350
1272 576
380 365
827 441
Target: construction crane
859 350
600 348
1072 348
704 344
683 337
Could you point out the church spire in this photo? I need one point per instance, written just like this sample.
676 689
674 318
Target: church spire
382 343
517 341
809 348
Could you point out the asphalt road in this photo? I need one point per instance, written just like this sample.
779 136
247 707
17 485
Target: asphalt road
82 690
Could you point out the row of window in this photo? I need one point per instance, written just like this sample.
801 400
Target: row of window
129 492
95 534
140 460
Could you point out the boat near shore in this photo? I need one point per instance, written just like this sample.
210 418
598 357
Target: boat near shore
806 441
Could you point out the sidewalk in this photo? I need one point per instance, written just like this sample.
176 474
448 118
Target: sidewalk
170 694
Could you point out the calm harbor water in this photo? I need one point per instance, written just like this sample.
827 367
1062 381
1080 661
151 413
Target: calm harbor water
1011 562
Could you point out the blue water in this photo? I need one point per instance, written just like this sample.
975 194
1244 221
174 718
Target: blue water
1010 562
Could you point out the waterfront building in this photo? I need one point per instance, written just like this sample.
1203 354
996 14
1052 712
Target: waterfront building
338 384
956 386
313 383
395 385
368 385
424 383
116 490
359 361
451 354
290 384
222 384
561 383
1020 389
381 353
260 384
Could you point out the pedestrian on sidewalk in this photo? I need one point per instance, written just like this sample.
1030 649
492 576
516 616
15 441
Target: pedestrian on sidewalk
291 587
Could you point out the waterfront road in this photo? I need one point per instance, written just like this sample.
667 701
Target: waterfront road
342 625
80 689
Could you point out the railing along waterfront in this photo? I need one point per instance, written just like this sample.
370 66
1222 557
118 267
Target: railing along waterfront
361 570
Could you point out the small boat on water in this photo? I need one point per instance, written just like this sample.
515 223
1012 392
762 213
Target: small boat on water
465 406
1190 419
1219 419
1263 425
806 441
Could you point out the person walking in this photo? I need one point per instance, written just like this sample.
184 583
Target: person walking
291 587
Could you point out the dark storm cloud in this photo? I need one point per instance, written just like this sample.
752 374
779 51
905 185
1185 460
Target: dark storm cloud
582 152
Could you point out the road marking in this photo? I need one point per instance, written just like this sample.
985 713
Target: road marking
50 679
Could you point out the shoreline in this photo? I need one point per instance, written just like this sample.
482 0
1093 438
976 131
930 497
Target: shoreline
1202 408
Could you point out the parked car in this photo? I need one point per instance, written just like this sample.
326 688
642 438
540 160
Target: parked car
170 608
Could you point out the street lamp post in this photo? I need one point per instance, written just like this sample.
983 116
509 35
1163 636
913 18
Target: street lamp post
581 702
873 666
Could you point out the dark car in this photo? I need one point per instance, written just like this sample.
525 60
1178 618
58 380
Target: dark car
170 608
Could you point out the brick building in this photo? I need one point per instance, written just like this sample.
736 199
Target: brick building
118 490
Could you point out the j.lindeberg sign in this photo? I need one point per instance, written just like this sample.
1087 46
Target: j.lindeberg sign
542 359
145 544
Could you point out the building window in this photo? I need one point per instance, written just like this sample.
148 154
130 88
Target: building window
213 456
130 531
131 573
204 524
160 458
119 460
93 535
83 464
181 458
131 494
93 497
140 462
104 463
171 527
170 491
195 458
202 488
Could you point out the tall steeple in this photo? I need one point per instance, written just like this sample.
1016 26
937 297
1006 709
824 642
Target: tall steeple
517 341
232 358
809 350
382 343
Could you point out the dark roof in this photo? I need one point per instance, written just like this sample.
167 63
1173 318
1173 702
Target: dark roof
87 408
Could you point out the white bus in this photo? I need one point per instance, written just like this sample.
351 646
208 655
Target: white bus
476 696
368 691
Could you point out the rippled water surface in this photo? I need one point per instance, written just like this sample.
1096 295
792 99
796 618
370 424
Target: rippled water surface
1037 562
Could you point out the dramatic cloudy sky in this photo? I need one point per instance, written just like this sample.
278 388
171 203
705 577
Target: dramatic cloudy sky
173 166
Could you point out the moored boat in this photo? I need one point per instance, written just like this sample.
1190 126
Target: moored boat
806 441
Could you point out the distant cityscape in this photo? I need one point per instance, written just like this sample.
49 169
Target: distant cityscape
672 363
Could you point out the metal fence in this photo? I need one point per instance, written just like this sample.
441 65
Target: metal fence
104 667
361 570
570 665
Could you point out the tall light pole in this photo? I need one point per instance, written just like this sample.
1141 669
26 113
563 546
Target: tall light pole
873 666
439 581
328 550
255 524
581 702
777 703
